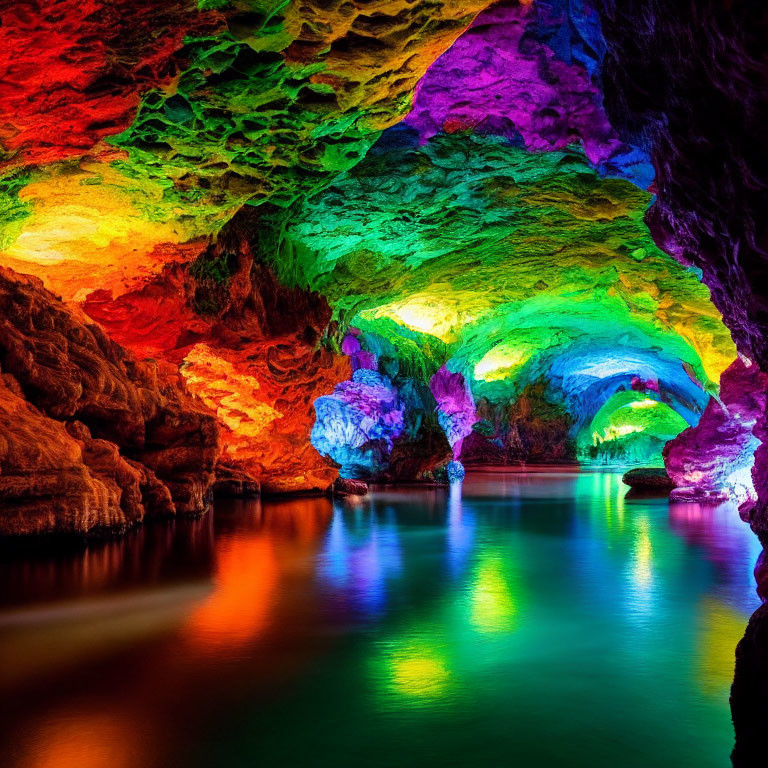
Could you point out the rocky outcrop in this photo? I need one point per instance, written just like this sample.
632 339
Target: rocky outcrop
174 114
74 71
648 479
421 457
690 82
91 437
345 486
499 79
749 693
713 460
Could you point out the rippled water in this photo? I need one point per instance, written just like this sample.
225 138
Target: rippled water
538 619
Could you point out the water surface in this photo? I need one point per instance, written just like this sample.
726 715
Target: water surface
538 619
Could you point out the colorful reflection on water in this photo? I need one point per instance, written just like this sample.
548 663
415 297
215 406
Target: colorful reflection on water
542 619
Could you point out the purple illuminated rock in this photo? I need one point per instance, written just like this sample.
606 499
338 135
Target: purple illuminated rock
359 357
497 79
357 424
455 407
713 460
689 81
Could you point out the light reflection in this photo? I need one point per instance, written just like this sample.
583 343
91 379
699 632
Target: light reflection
728 544
720 629
642 595
413 669
359 557
485 600
419 671
238 609
461 530
642 572
85 740
252 565
493 604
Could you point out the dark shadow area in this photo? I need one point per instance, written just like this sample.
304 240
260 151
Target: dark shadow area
749 693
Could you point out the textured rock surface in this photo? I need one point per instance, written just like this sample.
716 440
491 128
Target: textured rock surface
129 127
713 460
456 412
690 82
346 486
248 347
667 74
749 705
45 484
357 425
534 429
580 293
133 438
380 208
499 79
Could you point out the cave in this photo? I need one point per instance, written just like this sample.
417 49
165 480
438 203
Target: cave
338 339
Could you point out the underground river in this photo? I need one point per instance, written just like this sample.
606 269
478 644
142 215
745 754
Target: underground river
537 619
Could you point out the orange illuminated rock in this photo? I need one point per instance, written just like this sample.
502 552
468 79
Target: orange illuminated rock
90 436
249 348
89 228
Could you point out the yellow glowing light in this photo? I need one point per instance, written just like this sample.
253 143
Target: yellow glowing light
720 629
89 229
643 403
642 560
614 433
493 605
231 394
715 351
501 362
417 672
433 313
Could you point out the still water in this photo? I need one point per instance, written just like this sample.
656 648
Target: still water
538 619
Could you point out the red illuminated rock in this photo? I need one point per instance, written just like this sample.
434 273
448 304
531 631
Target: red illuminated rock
73 70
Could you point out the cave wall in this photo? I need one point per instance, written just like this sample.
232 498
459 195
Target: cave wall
689 82
92 438
248 347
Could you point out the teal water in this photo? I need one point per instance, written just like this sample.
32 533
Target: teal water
538 619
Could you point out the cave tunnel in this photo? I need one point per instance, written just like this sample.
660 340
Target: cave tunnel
253 247
269 231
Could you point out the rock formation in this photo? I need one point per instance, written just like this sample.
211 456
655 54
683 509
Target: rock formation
713 460
690 84
92 437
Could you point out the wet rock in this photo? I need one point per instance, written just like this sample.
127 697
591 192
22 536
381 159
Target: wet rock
234 483
346 486
749 693
534 429
248 347
648 479
690 82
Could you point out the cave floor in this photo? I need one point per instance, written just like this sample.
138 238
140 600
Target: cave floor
535 618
